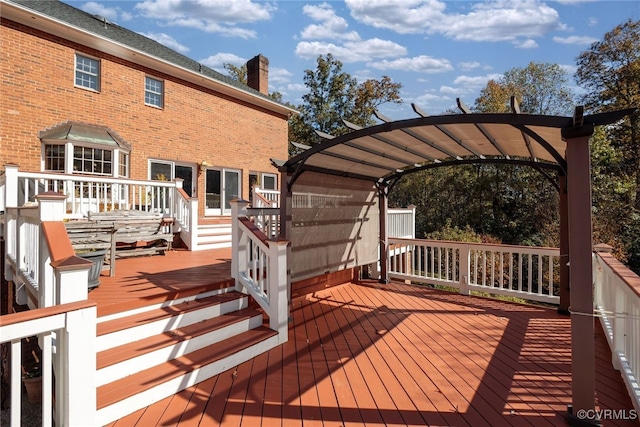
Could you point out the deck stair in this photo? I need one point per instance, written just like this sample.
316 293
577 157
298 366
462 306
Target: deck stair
214 233
149 353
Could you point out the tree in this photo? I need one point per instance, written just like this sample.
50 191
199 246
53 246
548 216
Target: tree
610 72
540 88
335 95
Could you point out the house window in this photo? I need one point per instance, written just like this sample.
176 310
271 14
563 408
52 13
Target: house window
269 181
153 92
54 158
124 164
160 170
87 73
95 161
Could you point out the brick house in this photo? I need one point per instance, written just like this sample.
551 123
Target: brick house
82 95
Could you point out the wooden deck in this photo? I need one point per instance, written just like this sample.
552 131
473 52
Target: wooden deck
370 354
151 279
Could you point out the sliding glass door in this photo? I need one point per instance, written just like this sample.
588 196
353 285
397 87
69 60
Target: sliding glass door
221 186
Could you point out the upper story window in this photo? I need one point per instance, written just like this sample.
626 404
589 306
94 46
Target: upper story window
153 92
87 73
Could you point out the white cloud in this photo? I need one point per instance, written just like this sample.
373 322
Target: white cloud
364 50
466 66
331 25
213 16
475 82
279 76
449 89
496 20
422 64
570 69
218 60
525 44
578 40
168 41
113 14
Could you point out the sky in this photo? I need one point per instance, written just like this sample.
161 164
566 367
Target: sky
438 50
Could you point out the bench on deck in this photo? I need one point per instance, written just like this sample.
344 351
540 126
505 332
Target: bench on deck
122 233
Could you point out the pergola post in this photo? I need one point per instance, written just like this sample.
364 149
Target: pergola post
580 273
563 307
286 210
383 205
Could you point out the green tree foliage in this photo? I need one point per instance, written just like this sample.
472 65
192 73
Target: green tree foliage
540 88
610 72
335 95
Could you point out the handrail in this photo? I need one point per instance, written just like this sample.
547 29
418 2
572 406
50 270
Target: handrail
617 304
266 219
526 272
90 192
259 266
73 362
271 196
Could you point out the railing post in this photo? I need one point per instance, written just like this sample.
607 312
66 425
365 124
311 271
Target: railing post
193 223
278 289
464 269
238 208
51 208
77 400
413 221
11 186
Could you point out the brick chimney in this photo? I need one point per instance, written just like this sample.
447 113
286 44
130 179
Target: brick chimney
258 74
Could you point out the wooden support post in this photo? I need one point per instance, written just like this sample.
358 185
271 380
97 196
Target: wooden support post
565 295
384 235
580 272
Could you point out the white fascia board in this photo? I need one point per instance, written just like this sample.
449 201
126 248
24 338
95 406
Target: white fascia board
31 18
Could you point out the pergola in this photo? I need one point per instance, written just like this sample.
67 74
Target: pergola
384 153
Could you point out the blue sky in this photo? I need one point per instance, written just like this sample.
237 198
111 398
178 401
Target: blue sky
439 50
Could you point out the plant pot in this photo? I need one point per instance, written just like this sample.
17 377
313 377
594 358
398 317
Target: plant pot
34 389
97 258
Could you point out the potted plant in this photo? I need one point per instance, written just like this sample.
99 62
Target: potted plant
32 381
96 256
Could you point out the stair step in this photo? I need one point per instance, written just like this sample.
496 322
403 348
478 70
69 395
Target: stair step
118 362
122 330
138 390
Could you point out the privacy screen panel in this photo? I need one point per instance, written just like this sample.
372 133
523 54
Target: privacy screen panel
334 224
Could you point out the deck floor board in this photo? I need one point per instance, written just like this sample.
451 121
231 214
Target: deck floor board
372 354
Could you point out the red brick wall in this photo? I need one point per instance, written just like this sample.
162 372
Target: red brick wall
37 92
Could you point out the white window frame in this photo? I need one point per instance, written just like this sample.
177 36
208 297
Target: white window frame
269 175
85 72
150 92
69 148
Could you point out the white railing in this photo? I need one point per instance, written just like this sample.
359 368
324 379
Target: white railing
259 266
617 303
271 196
87 193
401 222
53 282
266 219
28 262
72 327
23 251
530 273
186 217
